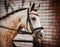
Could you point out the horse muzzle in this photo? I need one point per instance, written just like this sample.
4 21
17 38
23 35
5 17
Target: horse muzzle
37 32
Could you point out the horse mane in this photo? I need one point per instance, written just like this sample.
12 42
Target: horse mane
7 15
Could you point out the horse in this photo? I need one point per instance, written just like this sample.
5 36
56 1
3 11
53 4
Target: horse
13 22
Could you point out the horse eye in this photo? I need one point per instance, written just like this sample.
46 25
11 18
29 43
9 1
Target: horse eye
33 18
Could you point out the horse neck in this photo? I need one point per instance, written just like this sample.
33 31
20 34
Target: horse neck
6 36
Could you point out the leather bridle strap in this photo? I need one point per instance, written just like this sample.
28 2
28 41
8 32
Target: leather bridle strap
7 28
41 28
34 14
11 28
28 20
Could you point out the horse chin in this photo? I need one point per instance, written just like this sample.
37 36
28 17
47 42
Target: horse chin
38 39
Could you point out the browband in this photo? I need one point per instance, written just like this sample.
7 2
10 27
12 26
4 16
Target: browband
34 14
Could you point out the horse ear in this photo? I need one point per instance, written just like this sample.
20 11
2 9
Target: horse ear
32 8
37 8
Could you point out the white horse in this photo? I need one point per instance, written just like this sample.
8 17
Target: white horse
9 26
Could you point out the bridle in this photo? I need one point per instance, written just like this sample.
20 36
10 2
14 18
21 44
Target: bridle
31 26
28 21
